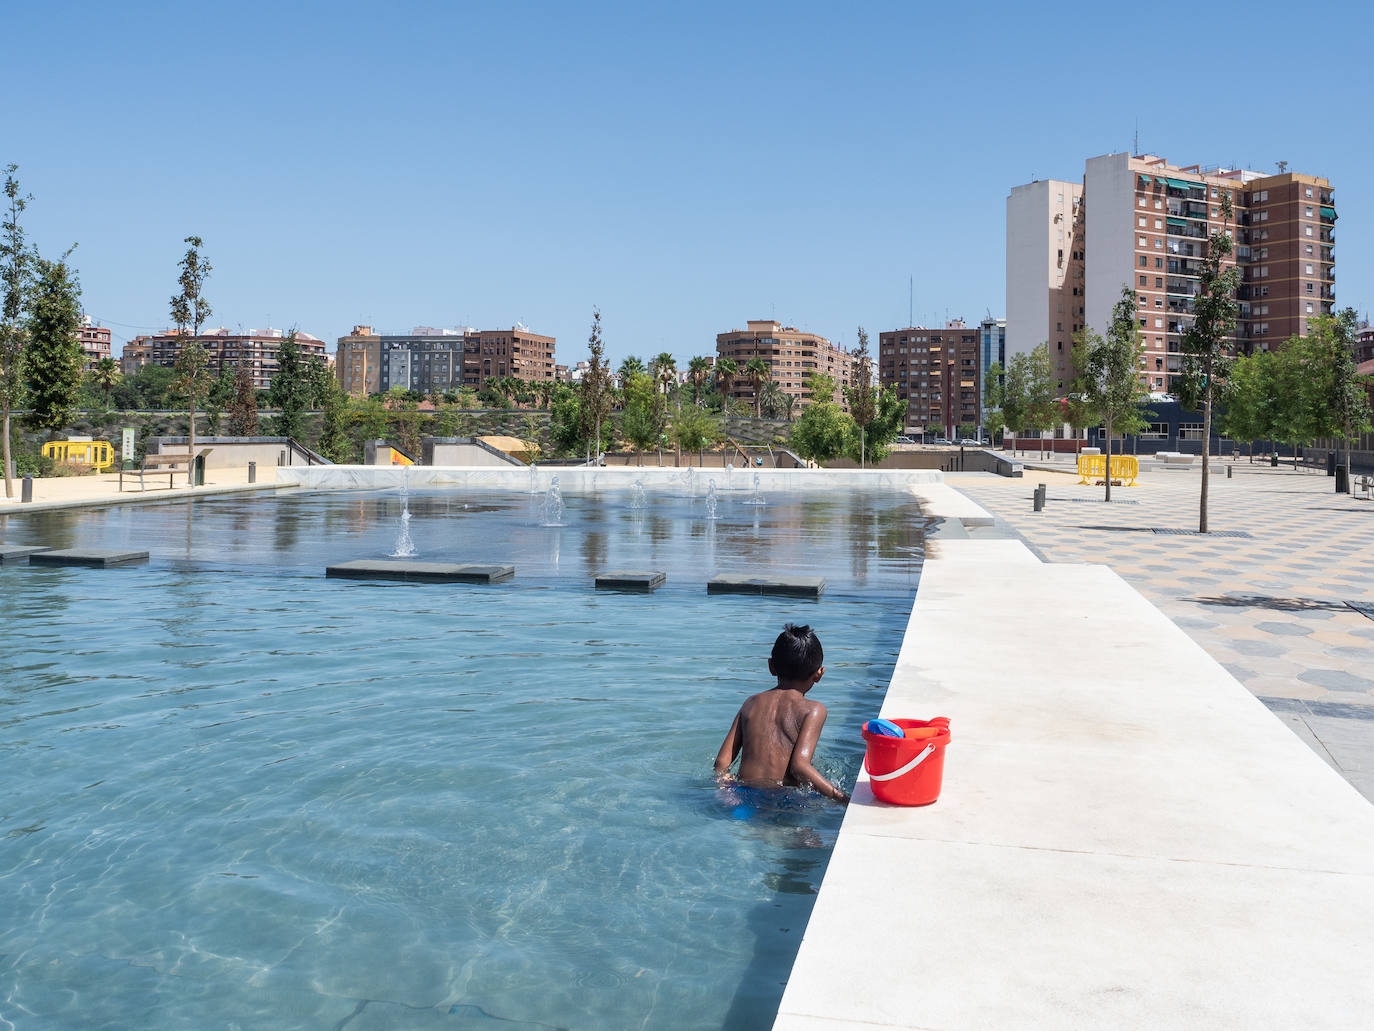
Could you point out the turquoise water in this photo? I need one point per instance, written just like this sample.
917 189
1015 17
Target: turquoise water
241 795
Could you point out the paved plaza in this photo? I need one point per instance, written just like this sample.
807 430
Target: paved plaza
1281 592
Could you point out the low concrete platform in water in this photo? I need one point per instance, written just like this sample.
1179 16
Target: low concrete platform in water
423 572
16 553
793 586
98 557
630 580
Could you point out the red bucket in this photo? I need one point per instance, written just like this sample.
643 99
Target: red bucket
908 770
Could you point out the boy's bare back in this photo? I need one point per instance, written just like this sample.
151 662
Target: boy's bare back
776 731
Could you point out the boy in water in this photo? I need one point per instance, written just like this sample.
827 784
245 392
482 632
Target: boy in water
777 730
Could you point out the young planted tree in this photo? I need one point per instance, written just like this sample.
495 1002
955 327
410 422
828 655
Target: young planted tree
820 431
243 407
189 310
595 407
1205 344
1108 381
1042 408
863 395
15 268
53 356
696 429
1253 411
889 416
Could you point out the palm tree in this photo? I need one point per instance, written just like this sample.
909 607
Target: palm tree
698 372
759 373
726 370
665 371
629 367
106 376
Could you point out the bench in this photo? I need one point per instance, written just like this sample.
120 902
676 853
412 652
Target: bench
156 465
1173 460
1364 485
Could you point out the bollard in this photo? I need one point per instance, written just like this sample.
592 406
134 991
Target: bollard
1229 470
27 490
1038 502
252 472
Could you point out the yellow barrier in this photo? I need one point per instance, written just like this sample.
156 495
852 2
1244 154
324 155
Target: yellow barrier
1124 468
97 453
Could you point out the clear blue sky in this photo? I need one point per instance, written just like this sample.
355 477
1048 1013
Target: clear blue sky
684 169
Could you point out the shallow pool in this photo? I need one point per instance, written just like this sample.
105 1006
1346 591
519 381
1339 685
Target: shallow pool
242 795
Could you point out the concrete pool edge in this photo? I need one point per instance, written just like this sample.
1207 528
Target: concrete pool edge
1126 837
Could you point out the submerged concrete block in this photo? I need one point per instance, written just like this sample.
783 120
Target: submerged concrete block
16 553
98 557
630 579
795 586
425 572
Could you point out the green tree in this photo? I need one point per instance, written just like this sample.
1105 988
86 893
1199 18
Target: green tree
405 421
1108 380
1041 404
875 440
106 377
698 374
726 371
243 406
189 308
293 388
820 431
863 395
53 357
993 389
1340 403
1205 344
777 403
1253 410
15 271
759 373
335 442
631 366
565 420
217 398
596 389
644 416
695 429
369 414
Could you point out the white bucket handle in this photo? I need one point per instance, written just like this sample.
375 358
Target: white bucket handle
905 769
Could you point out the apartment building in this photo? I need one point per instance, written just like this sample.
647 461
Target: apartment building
434 360
937 372
1045 269
259 349
1142 222
94 341
792 356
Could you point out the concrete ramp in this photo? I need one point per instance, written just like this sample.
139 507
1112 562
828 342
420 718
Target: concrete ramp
1126 837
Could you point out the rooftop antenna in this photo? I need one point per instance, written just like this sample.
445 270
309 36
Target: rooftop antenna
910 297
1135 142
1282 165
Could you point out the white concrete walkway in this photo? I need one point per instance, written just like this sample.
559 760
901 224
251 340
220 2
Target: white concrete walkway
1127 838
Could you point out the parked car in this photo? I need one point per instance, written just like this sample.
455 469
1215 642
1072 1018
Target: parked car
942 442
905 440
970 442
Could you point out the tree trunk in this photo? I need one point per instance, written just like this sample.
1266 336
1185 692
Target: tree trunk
1206 448
1108 449
863 445
191 447
9 466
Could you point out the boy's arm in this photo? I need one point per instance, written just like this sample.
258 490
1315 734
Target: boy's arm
729 749
800 765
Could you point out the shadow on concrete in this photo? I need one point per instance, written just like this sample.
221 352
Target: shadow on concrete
1260 601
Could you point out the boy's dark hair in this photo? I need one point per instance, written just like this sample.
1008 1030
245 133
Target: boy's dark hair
797 653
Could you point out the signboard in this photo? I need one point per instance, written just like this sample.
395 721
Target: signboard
126 447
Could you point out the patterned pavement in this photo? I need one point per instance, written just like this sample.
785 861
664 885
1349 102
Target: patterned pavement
1273 593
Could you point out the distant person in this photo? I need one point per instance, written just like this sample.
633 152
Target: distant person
775 732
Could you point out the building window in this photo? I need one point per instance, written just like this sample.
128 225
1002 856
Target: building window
1144 280
1307 192
1144 261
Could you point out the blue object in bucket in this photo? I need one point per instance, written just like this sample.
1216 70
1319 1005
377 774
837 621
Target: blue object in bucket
884 728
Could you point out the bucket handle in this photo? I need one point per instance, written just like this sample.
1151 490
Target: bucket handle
905 769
